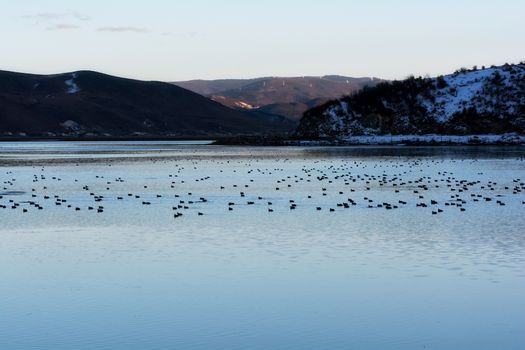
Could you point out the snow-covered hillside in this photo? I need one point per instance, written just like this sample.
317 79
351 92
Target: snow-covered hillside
484 101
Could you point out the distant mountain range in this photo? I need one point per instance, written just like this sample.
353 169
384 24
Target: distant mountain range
477 101
87 103
287 97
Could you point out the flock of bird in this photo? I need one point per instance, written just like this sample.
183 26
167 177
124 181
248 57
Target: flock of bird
199 186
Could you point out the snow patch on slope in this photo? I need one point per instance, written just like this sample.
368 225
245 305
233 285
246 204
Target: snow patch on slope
335 116
72 87
464 90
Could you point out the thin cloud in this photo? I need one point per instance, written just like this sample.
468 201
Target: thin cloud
128 29
54 16
63 27
45 16
182 34
81 16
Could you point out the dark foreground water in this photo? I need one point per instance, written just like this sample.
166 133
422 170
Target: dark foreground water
165 246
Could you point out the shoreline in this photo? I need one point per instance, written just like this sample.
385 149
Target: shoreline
273 140
384 140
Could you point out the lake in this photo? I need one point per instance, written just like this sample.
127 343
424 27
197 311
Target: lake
167 245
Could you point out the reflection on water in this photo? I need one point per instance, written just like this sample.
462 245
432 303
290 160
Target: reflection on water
364 277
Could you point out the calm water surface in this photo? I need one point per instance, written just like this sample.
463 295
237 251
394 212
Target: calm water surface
261 276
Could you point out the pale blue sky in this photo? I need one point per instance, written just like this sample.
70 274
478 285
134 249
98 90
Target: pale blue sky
178 39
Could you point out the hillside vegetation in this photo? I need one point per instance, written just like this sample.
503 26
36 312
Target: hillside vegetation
476 101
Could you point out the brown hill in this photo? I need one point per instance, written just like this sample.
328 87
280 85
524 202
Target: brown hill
90 103
288 97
